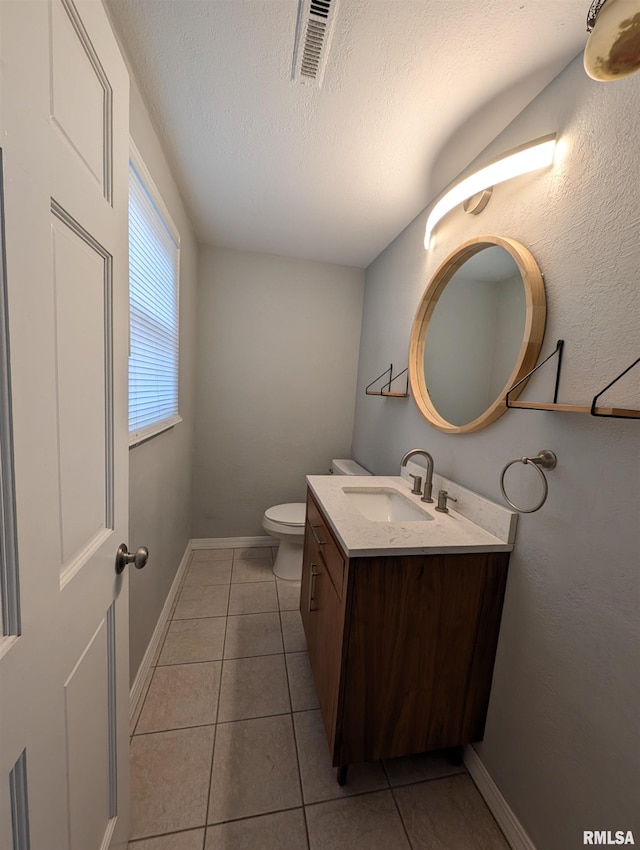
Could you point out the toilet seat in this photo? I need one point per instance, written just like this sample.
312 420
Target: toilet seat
292 514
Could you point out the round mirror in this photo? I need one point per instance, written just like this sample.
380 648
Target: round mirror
477 332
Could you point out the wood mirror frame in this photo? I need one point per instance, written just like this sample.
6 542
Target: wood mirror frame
535 306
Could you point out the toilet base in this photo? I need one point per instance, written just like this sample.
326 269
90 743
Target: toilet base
288 563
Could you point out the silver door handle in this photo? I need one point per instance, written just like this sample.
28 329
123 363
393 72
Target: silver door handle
124 557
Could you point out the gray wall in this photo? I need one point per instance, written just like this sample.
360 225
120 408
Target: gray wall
278 343
160 469
561 740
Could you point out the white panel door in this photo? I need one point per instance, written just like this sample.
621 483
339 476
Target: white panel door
64 700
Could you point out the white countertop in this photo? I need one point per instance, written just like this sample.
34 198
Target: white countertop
446 533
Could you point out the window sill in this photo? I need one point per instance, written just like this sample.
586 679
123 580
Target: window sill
136 438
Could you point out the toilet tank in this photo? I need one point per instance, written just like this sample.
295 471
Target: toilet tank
346 466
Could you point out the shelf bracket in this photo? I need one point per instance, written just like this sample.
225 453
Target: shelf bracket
385 390
558 350
595 411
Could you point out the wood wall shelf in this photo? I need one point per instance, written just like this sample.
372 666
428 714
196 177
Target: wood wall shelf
387 395
385 390
593 409
619 412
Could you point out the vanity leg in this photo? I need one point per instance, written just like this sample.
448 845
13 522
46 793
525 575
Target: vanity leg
341 775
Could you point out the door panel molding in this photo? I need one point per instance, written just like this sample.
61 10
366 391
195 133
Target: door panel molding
9 576
88 729
70 564
73 225
105 178
19 794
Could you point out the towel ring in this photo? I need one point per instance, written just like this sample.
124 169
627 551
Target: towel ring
545 459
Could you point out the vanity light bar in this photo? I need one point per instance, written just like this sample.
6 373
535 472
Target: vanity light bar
520 160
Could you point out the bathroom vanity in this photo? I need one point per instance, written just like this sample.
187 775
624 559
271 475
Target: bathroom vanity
401 617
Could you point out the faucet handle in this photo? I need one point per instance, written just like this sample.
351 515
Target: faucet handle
443 496
417 484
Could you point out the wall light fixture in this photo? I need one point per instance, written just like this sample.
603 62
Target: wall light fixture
613 49
520 160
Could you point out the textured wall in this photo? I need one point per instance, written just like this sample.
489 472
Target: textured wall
160 469
562 734
277 360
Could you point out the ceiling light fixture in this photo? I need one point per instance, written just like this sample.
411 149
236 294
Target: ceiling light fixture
520 160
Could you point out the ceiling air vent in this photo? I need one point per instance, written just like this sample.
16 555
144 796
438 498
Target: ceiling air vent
316 19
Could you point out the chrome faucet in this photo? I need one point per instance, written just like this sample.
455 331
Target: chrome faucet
428 486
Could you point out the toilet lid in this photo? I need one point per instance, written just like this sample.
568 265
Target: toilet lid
291 514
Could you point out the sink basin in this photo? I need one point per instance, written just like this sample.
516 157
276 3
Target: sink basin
382 504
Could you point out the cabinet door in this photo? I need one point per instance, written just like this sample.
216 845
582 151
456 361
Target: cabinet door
321 611
327 658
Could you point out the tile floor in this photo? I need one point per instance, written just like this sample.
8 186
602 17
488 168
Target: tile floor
228 749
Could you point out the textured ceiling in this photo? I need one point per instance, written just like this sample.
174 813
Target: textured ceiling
413 91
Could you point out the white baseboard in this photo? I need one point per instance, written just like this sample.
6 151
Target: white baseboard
231 542
136 691
513 830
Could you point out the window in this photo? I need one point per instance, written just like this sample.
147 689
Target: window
154 249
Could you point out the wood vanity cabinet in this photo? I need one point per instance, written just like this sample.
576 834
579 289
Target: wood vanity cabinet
401 647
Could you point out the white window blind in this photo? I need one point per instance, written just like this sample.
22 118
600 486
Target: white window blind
153 296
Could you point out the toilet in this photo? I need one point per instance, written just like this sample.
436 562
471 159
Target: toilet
286 522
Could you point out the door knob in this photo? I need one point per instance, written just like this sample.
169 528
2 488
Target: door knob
124 557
